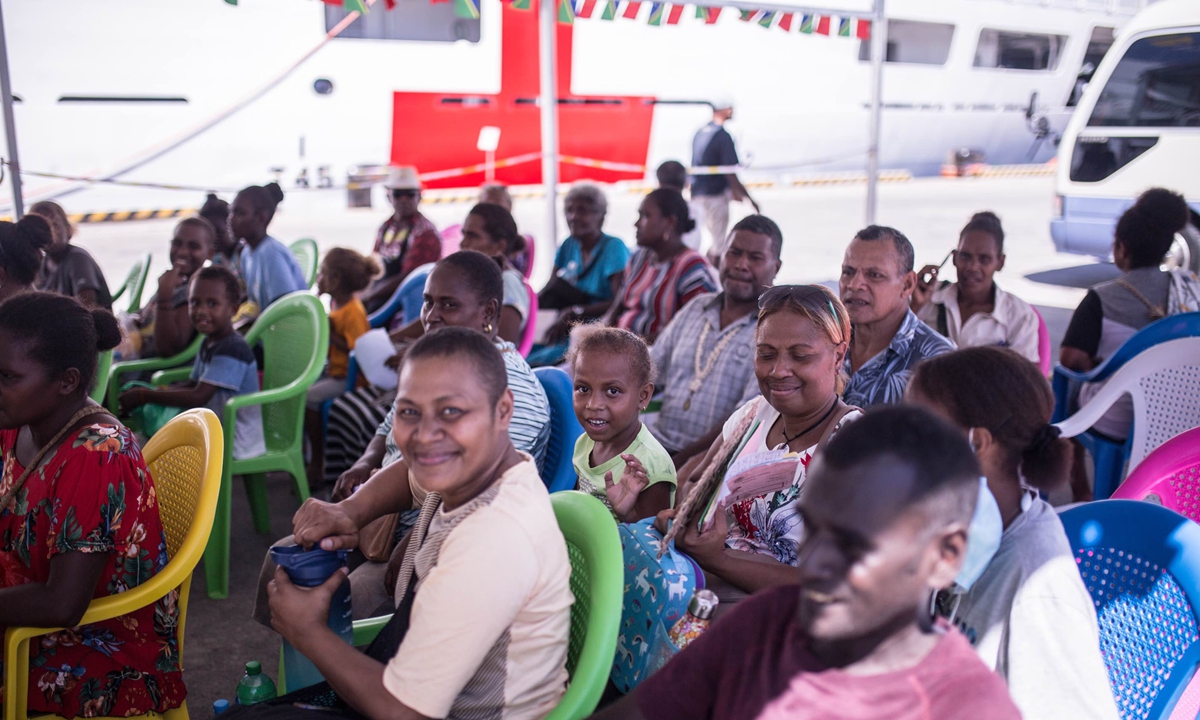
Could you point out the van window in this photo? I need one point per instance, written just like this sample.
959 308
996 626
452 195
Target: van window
1017 50
921 43
428 22
1156 84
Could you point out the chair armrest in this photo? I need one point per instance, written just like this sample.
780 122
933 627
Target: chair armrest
174 375
148 365
351 373
263 397
366 630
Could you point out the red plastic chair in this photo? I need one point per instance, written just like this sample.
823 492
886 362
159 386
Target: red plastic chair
1045 351
1169 476
529 332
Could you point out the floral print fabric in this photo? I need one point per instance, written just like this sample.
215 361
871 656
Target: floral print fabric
93 494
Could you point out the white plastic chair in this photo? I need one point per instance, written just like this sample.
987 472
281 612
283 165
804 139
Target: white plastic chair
1164 383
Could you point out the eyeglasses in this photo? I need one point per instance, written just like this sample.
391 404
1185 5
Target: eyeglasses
400 193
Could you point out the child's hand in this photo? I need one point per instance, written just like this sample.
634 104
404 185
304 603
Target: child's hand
623 495
130 399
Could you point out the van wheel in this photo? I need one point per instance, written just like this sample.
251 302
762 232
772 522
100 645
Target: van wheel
1185 251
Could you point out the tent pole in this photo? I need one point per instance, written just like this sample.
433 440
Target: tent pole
10 128
878 51
548 103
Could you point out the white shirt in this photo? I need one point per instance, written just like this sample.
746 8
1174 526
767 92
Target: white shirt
1012 323
1031 619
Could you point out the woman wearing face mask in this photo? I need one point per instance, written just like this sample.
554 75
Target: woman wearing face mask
752 541
1028 614
974 311
22 247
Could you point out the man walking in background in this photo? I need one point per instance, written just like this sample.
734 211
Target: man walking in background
711 193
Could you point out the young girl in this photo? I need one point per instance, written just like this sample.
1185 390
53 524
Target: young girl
79 520
268 267
224 367
617 459
344 273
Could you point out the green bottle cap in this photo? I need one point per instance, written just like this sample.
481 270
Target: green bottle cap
253 667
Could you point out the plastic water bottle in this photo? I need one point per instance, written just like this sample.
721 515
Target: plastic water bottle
220 706
689 627
254 686
310 568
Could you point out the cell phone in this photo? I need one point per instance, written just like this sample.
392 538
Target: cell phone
928 277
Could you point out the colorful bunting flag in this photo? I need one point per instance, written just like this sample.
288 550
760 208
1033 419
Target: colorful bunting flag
747 15
656 14
806 24
767 18
610 10
844 27
355 6
823 25
468 9
713 14
631 10
566 11
389 4
785 22
585 9
675 14
863 29
521 4
231 2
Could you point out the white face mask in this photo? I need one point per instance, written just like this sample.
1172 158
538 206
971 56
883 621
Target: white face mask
983 539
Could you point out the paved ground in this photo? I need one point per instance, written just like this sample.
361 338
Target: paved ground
817 224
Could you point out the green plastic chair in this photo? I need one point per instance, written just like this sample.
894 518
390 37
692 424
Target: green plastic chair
294 333
182 362
597 580
134 283
306 254
103 368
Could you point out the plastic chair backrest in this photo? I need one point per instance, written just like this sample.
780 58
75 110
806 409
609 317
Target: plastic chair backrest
597 576
134 283
530 254
289 330
1045 351
451 239
529 332
557 470
103 368
305 252
184 459
1141 564
1169 476
1164 383
406 300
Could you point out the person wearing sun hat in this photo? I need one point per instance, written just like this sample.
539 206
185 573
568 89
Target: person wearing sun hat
406 240
713 147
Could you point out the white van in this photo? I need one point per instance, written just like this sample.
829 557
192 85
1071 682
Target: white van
1137 126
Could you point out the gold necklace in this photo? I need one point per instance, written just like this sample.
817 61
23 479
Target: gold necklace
700 372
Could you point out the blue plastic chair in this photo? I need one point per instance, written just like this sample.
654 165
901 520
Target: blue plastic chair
406 300
1141 564
558 472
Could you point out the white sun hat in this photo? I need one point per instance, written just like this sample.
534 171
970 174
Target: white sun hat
402 177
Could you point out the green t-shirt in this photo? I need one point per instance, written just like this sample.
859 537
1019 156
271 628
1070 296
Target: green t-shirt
655 458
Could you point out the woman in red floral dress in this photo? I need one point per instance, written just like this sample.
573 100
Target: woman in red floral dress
83 524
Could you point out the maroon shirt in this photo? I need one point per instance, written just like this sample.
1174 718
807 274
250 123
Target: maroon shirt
758 654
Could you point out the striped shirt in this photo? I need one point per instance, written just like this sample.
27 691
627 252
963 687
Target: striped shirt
653 291
529 428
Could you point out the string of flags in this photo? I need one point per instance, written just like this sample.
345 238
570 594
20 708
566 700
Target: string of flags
660 13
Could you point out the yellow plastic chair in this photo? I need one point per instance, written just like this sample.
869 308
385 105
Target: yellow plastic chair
184 459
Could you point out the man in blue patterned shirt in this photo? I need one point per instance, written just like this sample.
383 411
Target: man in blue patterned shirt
888 340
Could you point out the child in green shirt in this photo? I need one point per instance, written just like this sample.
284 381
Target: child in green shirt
617 459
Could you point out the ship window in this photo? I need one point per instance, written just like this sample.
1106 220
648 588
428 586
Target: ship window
920 43
1018 51
409 20
1156 84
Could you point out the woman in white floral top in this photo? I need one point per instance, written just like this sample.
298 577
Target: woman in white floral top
751 541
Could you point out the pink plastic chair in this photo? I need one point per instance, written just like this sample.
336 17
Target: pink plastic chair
530 330
1170 476
530 250
451 239
1045 352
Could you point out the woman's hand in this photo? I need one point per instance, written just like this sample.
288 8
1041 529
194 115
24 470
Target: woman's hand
926 284
623 495
326 523
168 282
296 612
705 547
